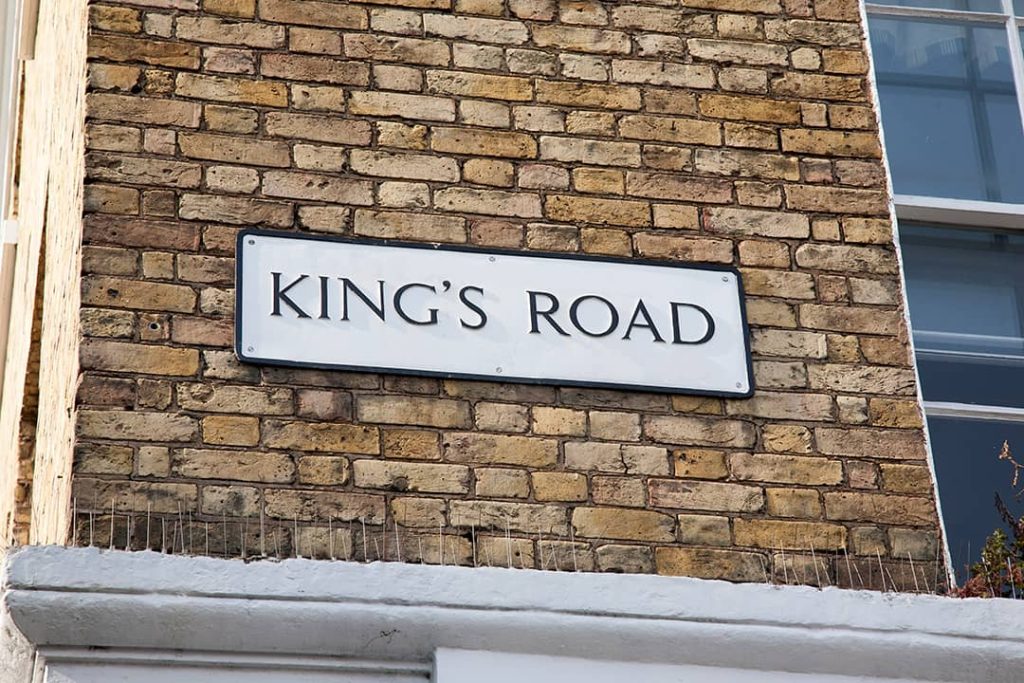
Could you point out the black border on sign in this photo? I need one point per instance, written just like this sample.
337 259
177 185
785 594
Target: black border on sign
431 246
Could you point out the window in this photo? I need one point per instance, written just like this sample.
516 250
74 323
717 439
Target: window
950 77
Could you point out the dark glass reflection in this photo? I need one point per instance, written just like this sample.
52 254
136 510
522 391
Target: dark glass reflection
970 473
966 295
952 124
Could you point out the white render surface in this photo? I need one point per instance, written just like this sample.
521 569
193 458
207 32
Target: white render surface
334 621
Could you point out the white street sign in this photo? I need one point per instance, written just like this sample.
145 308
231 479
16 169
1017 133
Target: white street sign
464 312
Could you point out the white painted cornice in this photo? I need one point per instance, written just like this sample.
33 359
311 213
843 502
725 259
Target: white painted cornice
67 599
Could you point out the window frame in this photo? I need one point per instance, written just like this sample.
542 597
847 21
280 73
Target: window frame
1013 25
960 213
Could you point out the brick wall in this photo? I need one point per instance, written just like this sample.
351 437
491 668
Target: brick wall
724 131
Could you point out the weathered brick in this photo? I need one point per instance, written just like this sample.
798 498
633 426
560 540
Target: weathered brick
879 508
786 469
730 221
705 495
484 143
225 32
730 565
123 496
594 96
677 188
227 119
625 559
231 430
801 503
784 406
318 69
846 258
738 52
116 168
491 202
309 506
394 49
317 187
398 165
234 149
400 225
663 73
523 517
467 447
593 152
478 30
501 482
417 107
312 13
120 293
236 210
910 479
229 399
141 358
406 476
572 209
623 523
229 464
831 143
319 128
668 129
850 319
787 343
620 459
559 486
871 443
403 410
321 437
827 33
764 533
745 163
230 89
700 431
152 111
95 458
418 512
511 88
859 379
144 51
139 426
740 108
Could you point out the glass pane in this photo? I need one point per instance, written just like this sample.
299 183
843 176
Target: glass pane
977 355
952 126
970 473
966 5
953 379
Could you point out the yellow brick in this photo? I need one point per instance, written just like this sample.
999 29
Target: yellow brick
231 430
623 523
494 482
99 354
699 463
323 470
559 486
559 421
760 533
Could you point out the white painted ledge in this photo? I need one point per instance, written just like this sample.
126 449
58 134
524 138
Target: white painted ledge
151 606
